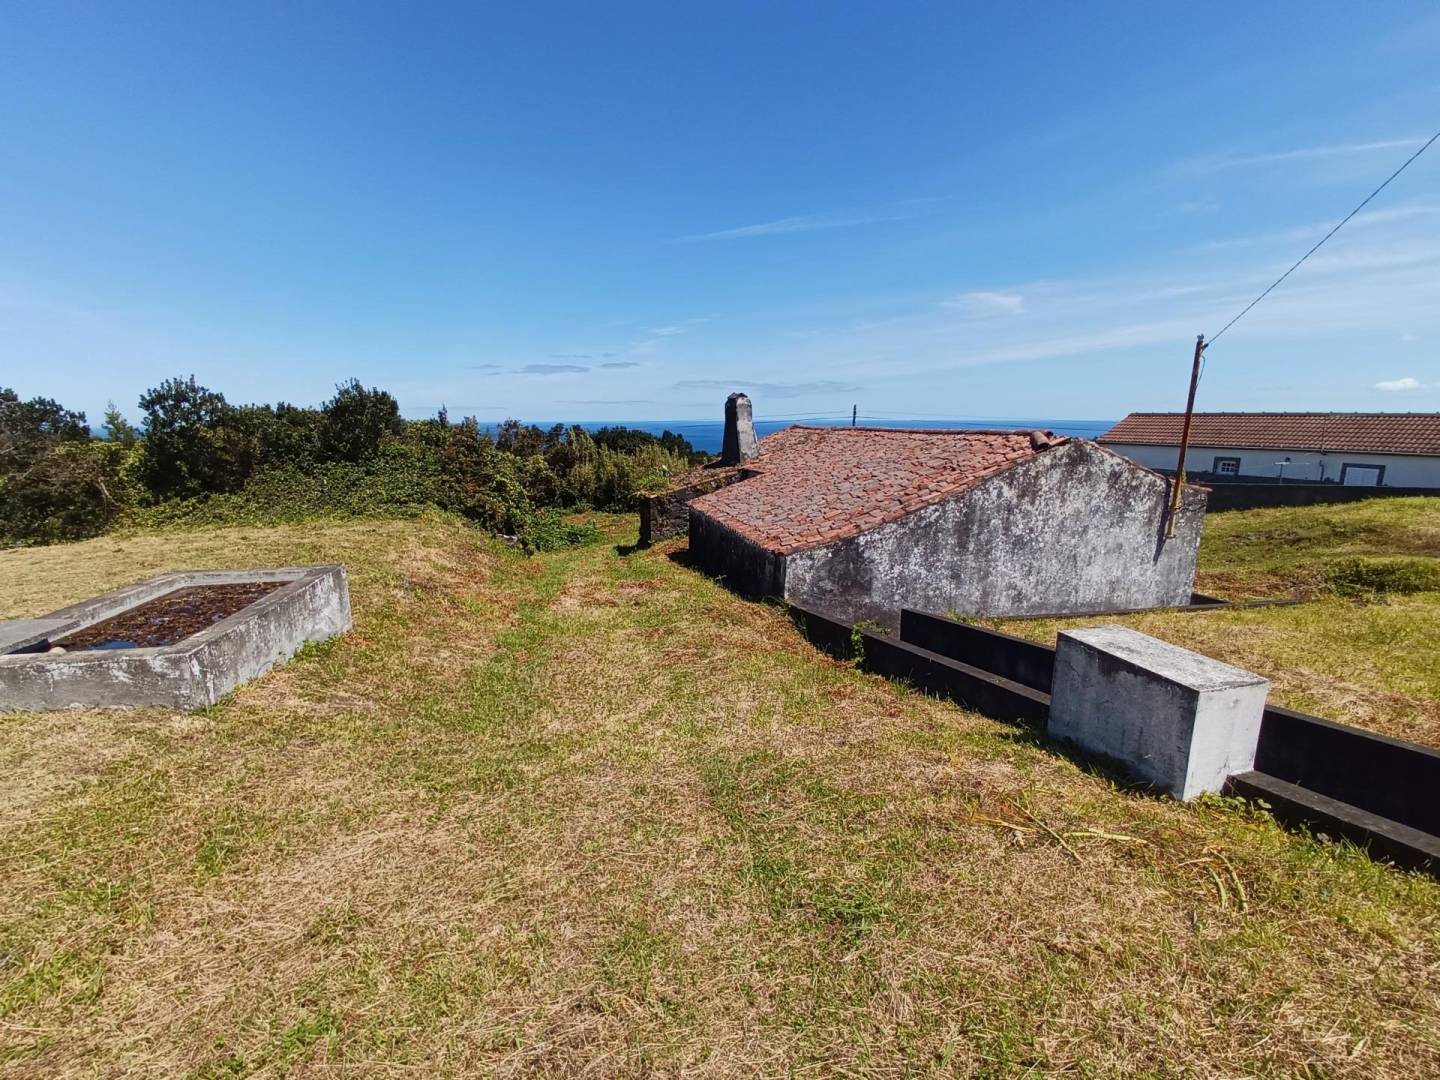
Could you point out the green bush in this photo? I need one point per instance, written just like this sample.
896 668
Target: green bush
56 482
71 491
398 482
1373 577
200 460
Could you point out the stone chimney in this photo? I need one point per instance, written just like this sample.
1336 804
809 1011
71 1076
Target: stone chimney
739 445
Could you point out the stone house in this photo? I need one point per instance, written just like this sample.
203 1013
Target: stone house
860 522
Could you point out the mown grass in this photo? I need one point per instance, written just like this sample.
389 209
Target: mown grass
1353 652
589 813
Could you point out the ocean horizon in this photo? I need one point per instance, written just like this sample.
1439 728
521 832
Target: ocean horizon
707 435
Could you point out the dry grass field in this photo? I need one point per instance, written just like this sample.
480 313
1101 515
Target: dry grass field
589 814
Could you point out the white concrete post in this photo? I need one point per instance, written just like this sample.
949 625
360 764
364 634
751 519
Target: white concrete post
1179 720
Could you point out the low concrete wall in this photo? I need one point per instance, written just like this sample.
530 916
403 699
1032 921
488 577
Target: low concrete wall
881 654
1299 806
1390 777
1014 658
198 671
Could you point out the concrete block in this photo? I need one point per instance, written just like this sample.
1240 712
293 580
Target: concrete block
1181 721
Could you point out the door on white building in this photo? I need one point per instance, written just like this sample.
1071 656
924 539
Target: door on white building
1361 475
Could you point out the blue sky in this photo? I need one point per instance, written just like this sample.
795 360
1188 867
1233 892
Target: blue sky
604 211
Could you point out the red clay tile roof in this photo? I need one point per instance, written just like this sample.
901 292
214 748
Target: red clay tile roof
814 485
1374 433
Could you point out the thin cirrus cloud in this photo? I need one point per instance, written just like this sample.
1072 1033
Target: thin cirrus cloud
803 223
778 390
607 401
1331 151
983 304
1365 285
552 369
621 364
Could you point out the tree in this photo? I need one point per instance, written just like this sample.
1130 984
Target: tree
356 420
192 442
519 439
56 483
117 428
28 429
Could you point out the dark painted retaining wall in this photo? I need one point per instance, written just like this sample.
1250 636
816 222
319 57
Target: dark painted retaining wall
1233 496
882 654
1390 777
1010 657
1374 790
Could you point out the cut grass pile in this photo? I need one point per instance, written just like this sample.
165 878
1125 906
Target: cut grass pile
590 813
1364 649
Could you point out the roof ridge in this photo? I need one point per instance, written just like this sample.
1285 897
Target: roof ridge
913 430
1333 412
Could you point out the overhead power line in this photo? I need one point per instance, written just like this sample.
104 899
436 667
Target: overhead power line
1327 236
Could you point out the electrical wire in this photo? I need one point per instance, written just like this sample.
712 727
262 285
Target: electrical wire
1327 236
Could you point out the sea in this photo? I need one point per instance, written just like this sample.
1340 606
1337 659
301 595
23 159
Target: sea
707 435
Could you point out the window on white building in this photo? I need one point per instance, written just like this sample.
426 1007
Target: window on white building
1227 466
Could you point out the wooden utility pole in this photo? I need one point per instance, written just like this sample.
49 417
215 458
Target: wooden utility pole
1184 439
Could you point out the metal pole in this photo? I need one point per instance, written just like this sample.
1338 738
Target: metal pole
1184 439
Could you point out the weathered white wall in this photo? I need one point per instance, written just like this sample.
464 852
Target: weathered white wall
1401 470
1075 529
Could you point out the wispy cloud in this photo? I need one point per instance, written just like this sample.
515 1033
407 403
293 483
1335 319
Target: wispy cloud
769 389
1405 211
552 369
803 223
621 364
1366 286
985 304
1206 204
606 401
1331 151
681 327
482 367
1407 383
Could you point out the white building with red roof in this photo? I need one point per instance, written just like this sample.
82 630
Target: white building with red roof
1355 449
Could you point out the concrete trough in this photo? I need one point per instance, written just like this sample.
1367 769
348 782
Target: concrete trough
312 604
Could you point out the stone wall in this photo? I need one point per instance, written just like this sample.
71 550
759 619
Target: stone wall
1077 528
746 568
668 513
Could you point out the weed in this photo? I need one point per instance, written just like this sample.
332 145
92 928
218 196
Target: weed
1371 578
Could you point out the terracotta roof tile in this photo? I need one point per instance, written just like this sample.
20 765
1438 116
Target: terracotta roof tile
814 485
1373 433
